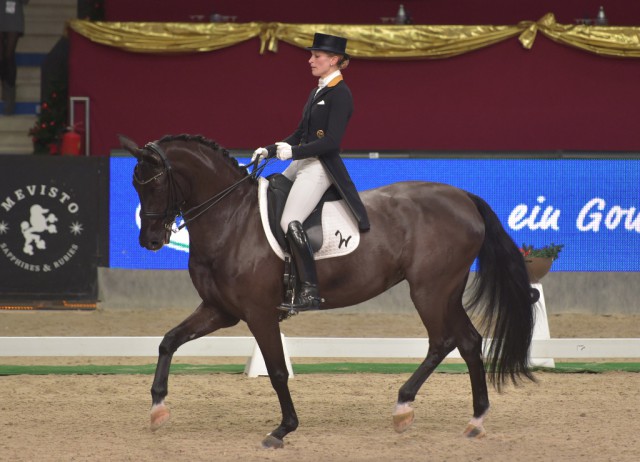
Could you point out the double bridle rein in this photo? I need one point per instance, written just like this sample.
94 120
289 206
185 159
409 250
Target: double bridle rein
174 205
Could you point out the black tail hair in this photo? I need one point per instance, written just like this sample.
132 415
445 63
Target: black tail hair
502 297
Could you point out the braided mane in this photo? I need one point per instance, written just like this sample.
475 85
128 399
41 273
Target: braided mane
206 142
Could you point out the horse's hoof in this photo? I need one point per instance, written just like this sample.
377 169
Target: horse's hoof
474 431
403 417
271 441
159 416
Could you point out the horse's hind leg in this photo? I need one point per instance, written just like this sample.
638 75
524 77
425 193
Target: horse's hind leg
432 310
403 414
469 343
449 327
204 320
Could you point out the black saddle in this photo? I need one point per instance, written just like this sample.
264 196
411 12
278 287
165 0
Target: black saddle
277 193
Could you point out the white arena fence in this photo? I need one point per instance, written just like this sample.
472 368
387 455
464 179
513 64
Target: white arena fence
301 347
544 350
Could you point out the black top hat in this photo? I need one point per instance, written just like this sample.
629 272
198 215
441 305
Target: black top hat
330 43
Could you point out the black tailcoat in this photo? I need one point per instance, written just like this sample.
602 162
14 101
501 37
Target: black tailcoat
319 134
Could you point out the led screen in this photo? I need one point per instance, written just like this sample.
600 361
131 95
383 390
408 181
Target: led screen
590 206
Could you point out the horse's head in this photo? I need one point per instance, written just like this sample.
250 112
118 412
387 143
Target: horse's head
200 175
158 192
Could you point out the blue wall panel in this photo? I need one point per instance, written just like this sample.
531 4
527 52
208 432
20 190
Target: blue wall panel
590 206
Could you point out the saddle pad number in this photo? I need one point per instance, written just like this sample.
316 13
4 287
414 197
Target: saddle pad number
11 8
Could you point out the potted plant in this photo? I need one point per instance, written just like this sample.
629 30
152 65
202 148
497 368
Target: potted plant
539 260
51 122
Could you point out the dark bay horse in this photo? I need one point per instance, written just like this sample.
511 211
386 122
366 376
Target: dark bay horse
426 233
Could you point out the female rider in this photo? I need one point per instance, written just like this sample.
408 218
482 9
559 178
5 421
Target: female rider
314 148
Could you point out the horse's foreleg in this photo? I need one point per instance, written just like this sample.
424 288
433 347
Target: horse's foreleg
203 321
267 335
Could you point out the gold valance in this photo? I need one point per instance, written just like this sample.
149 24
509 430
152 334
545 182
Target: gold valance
167 37
399 42
623 42
365 41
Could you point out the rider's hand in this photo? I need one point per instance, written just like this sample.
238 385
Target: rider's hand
260 152
284 151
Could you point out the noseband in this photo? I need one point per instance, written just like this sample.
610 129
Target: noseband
174 207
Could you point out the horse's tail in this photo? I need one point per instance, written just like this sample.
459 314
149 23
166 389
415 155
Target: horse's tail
507 312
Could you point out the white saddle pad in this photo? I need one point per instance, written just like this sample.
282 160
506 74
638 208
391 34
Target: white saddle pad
340 233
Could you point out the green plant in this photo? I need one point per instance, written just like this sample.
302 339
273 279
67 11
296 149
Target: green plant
548 251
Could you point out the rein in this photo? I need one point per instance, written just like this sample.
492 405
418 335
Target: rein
174 210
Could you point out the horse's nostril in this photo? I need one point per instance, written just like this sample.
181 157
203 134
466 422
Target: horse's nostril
151 244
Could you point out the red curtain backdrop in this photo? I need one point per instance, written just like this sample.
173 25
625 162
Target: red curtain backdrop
501 98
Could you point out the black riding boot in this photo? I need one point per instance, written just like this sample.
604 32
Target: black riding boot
306 298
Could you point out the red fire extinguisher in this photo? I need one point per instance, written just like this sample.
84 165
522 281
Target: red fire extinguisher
70 143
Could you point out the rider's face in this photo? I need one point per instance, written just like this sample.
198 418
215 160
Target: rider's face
322 64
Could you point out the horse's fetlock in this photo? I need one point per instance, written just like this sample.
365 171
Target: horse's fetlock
405 396
291 425
158 395
481 410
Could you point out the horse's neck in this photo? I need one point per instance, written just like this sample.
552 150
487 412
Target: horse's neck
208 177
228 212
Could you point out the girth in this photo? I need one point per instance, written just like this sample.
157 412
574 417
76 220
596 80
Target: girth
277 193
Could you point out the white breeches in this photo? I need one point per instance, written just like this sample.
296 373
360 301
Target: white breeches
310 181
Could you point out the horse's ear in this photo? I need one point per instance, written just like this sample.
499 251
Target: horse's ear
130 146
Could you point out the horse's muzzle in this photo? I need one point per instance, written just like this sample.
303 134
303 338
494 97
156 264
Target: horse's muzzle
152 244
153 241
154 237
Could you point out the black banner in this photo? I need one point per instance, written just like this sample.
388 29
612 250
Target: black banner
53 226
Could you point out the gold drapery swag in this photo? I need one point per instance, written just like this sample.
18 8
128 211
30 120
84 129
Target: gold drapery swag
365 41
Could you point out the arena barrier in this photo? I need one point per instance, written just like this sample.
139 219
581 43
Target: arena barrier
299 347
543 349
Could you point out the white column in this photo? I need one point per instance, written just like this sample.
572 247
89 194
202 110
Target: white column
541 328
256 367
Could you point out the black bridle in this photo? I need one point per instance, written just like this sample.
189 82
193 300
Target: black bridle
174 205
